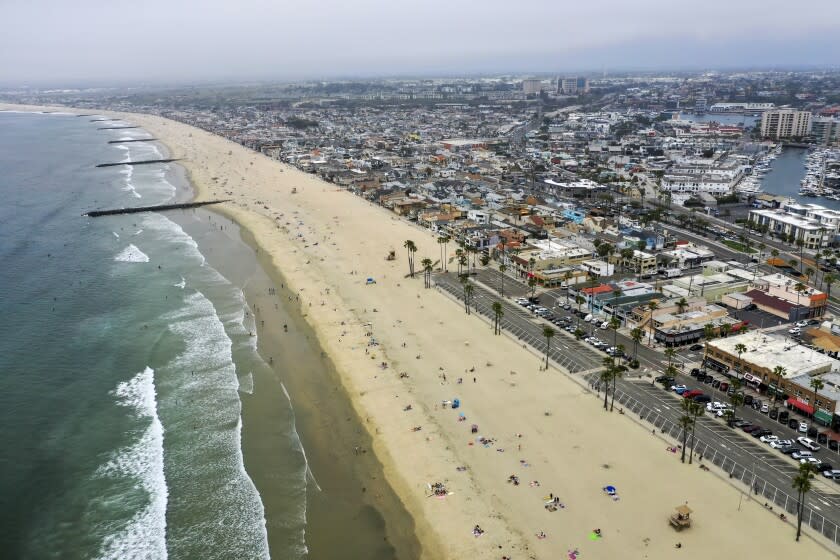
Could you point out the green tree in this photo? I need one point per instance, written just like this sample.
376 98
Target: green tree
502 269
411 248
427 272
498 312
579 300
532 284
828 280
442 240
459 258
605 377
682 304
485 260
816 384
685 422
468 292
636 335
736 399
802 483
548 333
740 349
697 410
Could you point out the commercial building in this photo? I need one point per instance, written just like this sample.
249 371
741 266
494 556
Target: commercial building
573 85
689 326
785 123
815 225
757 366
531 86
740 107
787 298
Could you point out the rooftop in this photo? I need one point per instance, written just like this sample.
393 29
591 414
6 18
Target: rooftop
768 351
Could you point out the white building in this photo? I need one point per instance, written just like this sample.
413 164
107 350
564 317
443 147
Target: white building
785 123
531 86
815 225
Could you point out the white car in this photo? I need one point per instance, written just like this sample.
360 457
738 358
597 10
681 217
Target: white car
835 474
814 462
781 443
714 406
769 439
605 325
803 427
802 323
809 443
801 454
765 408
795 331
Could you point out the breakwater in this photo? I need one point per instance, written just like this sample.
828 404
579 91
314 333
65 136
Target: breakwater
157 208
134 140
141 162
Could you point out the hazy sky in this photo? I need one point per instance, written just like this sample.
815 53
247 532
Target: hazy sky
68 41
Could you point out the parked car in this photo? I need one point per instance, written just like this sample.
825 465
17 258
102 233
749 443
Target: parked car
832 474
702 399
795 331
801 454
788 449
781 443
695 347
793 423
746 426
803 427
769 438
679 389
692 393
825 467
773 414
813 461
809 443
695 372
801 324
760 433
748 400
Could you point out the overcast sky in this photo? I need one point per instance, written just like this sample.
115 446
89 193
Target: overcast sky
72 41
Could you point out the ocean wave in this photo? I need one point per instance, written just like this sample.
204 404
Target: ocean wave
132 254
246 383
210 466
144 536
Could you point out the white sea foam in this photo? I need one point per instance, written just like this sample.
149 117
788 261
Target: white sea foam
246 383
211 463
144 536
132 254
182 284
117 235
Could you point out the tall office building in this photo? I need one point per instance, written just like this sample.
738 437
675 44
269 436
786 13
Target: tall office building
573 85
785 123
531 86
825 130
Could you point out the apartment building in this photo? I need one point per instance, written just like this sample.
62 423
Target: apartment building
785 123
815 225
531 86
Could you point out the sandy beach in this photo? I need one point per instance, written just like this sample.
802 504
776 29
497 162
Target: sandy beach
545 428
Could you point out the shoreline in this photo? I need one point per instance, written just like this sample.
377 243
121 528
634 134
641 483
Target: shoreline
557 432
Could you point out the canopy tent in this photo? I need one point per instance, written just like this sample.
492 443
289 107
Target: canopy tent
799 405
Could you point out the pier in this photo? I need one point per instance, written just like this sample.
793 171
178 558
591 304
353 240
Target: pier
158 208
135 140
115 127
142 162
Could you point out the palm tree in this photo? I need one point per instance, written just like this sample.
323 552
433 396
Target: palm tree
828 280
548 333
502 269
605 377
458 254
802 485
636 334
801 244
740 349
484 260
427 271
579 300
681 305
779 372
697 410
462 265
497 317
532 283
670 353
808 273
792 263
441 241
725 329
446 240
653 306
736 399
468 292
411 248
816 385
685 422
617 371
775 253
567 276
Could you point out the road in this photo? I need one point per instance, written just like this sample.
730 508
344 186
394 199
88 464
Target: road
758 466
565 349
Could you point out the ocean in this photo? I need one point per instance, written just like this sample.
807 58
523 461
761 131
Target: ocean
124 360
